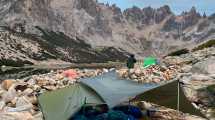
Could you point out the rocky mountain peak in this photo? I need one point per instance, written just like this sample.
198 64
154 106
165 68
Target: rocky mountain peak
133 14
162 13
148 14
103 25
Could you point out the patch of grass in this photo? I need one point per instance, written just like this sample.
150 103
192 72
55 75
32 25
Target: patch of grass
179 52
210 43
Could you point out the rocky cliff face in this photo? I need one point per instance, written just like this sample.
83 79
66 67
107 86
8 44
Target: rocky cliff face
139 31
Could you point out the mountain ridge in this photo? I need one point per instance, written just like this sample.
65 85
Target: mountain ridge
142 32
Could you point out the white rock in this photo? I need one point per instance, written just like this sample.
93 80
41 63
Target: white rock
200 77
28 91
9 95
186 68
146 105
105 70
2 105
18 109
21 101
15 116
38 116
32 82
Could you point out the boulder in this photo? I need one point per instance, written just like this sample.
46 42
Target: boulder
200 77
22 101
186 68
205 67
6 84
9 95
31 82
27 91
38 116
2 105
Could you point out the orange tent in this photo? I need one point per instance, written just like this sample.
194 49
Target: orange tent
70 73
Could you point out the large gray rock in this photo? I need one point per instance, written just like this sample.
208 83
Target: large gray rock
205 67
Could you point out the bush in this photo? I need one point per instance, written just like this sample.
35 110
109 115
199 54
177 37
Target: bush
17 63
179 52
210 43
211 89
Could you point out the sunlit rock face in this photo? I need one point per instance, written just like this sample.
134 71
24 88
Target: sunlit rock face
135 30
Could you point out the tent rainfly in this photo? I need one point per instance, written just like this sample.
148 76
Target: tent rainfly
111 90
148 61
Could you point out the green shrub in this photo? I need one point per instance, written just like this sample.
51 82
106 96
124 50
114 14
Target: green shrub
211 89
210 43
179 52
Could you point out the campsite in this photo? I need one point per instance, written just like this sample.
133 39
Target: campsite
147 93
107 59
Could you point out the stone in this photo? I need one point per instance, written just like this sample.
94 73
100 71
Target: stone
6 84
156 80
50 88
23 104
27 91
144 105
36 88
212 76
42 82
31 82
15 116
33 99
13 102
1 92
38 116
205 67
2 105
200 77
18 109
59 77
105 70
21 86
186 68
9 95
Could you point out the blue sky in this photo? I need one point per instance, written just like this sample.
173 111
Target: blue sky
177 6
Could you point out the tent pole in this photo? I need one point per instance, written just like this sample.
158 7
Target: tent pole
178 101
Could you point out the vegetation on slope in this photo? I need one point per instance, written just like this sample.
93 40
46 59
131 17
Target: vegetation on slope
210 43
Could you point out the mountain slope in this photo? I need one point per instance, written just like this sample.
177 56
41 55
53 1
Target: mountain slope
139 31
18 49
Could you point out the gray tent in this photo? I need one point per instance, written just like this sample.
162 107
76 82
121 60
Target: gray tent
109 89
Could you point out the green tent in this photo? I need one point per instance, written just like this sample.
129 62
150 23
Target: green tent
167 95
62 104
148 61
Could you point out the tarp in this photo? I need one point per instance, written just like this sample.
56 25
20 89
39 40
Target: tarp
62 104
115 90
149 61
